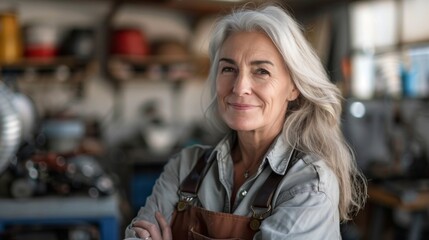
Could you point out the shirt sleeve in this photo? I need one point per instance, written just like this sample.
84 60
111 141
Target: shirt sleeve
164 196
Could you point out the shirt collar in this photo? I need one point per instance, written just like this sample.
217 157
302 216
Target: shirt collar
223 148
278 155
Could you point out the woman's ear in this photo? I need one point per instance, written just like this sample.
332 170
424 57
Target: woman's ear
293 94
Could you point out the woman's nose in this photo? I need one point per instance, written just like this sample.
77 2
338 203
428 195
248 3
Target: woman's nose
242 85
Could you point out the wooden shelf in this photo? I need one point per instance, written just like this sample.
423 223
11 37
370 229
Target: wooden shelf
165 68
45 63
196 8
57 69
164 60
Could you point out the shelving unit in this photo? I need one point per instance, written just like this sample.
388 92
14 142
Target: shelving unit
194 10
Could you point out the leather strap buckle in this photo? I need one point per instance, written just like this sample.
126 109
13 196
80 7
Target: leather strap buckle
185 200
257 217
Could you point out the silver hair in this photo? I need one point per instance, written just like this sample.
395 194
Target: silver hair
313 122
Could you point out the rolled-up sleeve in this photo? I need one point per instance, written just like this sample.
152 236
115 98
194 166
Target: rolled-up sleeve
163 198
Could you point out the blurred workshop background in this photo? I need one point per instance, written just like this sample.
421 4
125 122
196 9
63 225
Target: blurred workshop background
96 95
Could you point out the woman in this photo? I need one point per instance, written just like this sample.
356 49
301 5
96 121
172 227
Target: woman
283 170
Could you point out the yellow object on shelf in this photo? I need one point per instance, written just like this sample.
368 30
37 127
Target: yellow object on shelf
10 38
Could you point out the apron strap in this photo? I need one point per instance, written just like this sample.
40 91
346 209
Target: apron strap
261 206
188 189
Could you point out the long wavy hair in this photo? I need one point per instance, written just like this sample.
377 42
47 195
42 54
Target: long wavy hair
313 122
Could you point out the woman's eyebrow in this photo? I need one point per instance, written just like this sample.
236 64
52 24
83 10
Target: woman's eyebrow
228 60
256 62
259 62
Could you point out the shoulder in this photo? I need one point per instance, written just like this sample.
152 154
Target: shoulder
184 160
192 151
310 174
309 195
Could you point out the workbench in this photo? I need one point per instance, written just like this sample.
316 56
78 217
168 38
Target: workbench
58 210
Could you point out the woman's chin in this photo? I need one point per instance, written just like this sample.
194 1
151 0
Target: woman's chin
241 127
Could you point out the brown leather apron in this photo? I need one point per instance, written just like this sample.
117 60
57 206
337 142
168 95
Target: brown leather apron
194 223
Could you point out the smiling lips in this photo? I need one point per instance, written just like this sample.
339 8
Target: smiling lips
242 106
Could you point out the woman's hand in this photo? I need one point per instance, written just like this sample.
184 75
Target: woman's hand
147 231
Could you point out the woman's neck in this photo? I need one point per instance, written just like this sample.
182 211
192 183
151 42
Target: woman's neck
251 147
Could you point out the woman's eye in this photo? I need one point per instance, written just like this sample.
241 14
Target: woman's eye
228 70
262 71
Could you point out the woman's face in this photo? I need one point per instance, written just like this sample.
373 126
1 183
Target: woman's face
253 83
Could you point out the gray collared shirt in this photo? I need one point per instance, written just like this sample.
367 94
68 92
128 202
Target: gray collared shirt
305 204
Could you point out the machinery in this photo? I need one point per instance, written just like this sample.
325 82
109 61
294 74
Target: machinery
28 170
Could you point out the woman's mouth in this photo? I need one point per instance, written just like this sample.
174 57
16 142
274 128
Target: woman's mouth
242 106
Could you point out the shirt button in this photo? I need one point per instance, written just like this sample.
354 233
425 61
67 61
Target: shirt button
243 193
